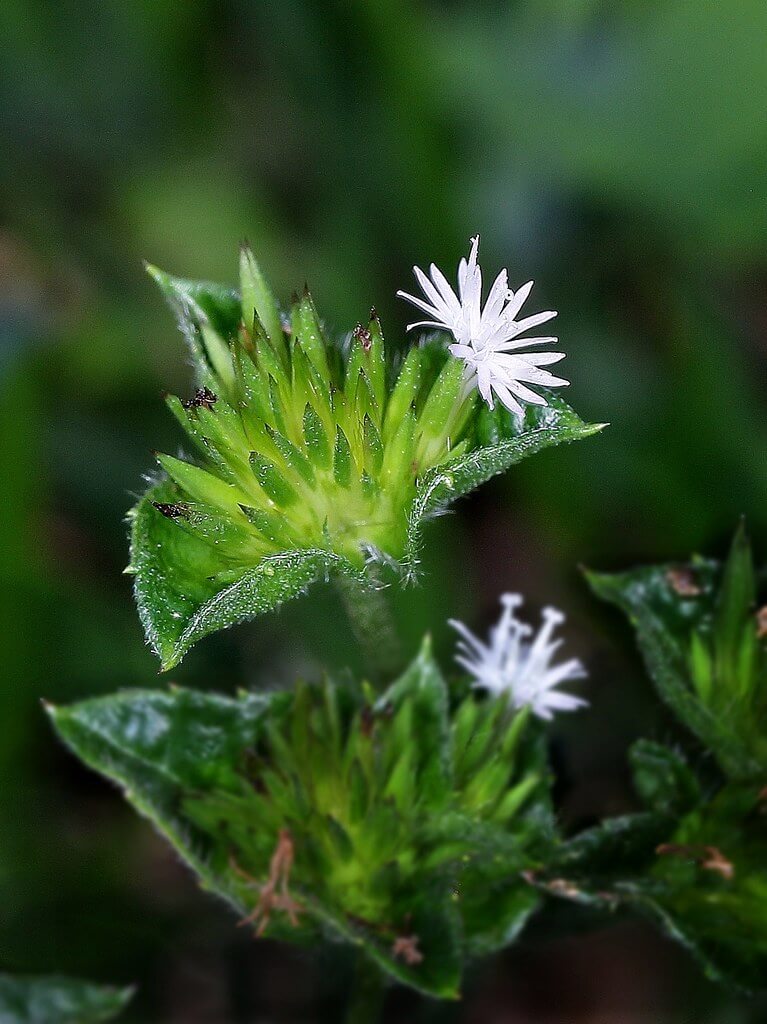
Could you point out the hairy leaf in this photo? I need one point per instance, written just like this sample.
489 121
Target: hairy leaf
667 604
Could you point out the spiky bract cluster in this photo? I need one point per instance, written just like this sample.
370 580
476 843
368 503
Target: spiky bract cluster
314 457
398 823
308 444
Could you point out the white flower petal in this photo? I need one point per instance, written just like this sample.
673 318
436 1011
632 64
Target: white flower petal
434 296
485 338
520 667
517 300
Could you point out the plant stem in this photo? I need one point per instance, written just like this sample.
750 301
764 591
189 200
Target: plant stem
373 626
367 994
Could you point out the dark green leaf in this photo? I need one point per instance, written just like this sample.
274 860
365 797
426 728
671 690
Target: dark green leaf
663 779
665 604
58 1000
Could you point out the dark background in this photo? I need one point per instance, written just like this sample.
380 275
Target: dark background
614 150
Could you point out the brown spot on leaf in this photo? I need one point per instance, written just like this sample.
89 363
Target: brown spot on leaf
682 580
405 947
710 858
561 887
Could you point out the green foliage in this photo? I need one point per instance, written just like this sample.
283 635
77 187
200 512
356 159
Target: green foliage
395 823
700 637
700 871
696 860
315 459
56 1000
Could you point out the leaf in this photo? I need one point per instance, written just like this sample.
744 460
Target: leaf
424 688
663 779
701 876
735 605
186 761
707 886
491 890
185 589
664 619
503 440
193 302
58 1000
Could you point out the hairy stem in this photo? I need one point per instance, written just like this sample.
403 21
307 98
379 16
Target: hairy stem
373 626
367 993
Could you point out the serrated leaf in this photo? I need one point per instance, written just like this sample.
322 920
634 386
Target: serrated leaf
186 589
58 1000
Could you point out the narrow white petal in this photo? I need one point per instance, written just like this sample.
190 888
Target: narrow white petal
496 297
507 398
517 300
526 394
508 346
446 293
542 358
433 295
534 320
421 304
429 323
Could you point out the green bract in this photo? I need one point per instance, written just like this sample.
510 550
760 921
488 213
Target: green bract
699 633
396 823
313 457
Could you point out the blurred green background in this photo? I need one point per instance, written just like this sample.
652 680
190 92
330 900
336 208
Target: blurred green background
614 150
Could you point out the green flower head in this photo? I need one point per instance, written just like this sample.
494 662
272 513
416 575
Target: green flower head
312 456
402 824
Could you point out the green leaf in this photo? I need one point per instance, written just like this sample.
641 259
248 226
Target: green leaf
734 608
503 440
708 886
702 875
194 302
186 589
495 899
665 605
663 779
58 1000
257 298
222 777
424 689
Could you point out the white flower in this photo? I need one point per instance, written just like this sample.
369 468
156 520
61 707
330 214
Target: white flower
515 665
488 339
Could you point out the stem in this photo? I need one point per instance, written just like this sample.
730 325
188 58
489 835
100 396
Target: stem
367 993
373 626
